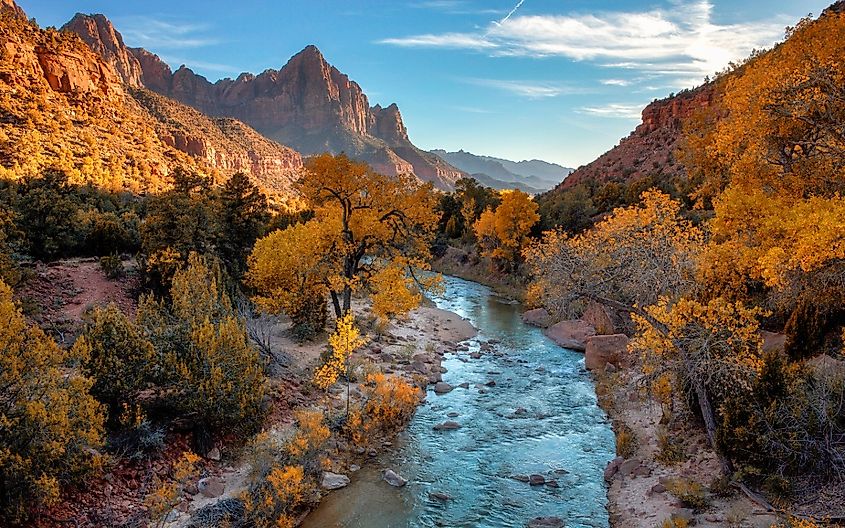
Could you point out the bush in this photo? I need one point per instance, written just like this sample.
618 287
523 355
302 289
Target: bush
626 441
120 359
50 427
139 441
689 492
388 403
670 448
217 376
112 266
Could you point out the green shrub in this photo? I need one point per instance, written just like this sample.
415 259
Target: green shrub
689 492
50 427
121 360
112 266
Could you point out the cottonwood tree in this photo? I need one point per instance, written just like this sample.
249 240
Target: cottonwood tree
364 224
626 262
502 233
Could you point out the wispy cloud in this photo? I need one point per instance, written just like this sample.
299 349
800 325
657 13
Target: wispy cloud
528 89
156 33
198 64
614 110
616 82
456 7
681 44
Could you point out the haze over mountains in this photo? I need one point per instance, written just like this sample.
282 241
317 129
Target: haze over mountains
531 176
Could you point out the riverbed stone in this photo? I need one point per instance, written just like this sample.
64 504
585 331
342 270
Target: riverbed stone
333 481
612 468
448 425
602 350
537 317
439 495
441 387
536 480
571 334
546 522
392 478
211 487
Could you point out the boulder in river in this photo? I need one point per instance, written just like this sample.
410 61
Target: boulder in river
439 495
537 317
602 350
393 479
441 387
448 425
536 480
571 334
546 522
333 481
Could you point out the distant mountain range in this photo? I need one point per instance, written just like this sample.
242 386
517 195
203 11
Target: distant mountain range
531 176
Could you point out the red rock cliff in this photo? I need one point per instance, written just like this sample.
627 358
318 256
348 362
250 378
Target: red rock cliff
100 35
651 147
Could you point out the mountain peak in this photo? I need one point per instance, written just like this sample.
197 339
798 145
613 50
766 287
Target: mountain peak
99 33
10 5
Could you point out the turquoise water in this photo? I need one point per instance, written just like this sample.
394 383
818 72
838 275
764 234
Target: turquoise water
561 434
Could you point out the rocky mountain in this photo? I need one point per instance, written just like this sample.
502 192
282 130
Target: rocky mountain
309 105
530 176
650 149
64 106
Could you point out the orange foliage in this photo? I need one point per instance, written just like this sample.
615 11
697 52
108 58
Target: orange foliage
388 403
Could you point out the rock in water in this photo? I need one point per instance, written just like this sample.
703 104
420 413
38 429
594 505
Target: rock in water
442 387
333 481
546 522
393 479
447 426
536 480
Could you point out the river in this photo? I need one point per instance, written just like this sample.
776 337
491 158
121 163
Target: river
541 416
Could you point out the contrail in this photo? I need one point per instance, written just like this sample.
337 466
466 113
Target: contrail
512 11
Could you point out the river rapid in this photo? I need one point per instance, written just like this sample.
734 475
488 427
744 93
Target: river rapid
540 417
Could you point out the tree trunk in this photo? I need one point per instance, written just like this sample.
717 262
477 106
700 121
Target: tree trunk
710 424
336 303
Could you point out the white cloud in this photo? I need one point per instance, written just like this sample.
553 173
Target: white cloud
682 43
615 82
153 33
198 64
615 110
528 89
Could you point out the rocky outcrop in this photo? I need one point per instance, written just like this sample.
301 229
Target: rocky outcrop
99 33
308 104
603 350
649 150
119 135
11 7
571 334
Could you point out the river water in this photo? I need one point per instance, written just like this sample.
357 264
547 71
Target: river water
540 417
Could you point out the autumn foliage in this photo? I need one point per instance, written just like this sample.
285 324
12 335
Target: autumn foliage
502 233
50 426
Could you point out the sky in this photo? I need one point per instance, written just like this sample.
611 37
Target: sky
559 80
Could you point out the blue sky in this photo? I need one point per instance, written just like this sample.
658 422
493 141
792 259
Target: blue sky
560 80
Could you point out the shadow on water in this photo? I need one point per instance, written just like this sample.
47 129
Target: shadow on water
541 416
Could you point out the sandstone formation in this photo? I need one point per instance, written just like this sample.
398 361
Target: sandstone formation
571 334
308 104
650 149
100 35
603 350
113 132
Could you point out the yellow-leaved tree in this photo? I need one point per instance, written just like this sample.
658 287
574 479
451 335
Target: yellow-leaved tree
345 340
626 262
503 233
50 426
364 223
778 153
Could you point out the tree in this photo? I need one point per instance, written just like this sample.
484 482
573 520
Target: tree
345 340
120 358
368 222
50 426
626 262
502 234
244 214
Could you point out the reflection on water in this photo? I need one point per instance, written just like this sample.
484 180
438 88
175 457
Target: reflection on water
540 417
